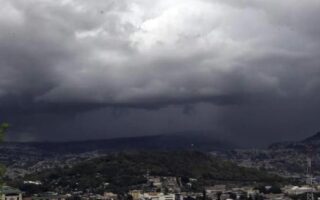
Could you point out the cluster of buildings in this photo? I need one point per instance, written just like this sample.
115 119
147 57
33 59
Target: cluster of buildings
9 193
217 192
170 188
222 192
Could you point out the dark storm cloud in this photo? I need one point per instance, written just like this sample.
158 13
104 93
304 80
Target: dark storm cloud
244 59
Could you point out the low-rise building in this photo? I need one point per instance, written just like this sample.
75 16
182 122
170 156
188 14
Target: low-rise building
110 196
10 193
155 196
296 190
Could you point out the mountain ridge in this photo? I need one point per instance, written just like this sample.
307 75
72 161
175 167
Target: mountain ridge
201 142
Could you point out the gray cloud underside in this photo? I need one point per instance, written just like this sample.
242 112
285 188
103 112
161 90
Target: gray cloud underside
241 55
131 52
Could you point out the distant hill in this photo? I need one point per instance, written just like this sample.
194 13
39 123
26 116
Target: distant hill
313 141
124 170
24 155
177 141
285 158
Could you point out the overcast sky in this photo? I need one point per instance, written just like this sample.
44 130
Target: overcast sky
248 70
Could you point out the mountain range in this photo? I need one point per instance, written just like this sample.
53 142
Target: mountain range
175 141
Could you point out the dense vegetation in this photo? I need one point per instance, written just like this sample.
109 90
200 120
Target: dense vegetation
124 170
3 129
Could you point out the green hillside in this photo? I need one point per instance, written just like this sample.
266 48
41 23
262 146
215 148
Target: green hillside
124 170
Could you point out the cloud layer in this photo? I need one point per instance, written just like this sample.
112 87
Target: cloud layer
239 56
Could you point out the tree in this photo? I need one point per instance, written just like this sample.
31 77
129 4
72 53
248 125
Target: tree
3 128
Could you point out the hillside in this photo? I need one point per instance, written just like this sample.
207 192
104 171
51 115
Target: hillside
301 145
124 170
26 154
285 158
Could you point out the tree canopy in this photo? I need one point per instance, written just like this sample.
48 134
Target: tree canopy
3 128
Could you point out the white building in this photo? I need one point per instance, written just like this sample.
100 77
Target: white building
158 196
295 190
